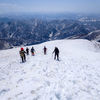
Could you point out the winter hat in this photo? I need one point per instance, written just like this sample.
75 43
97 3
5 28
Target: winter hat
22 49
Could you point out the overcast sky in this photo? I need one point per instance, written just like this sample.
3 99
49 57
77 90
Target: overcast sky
83 6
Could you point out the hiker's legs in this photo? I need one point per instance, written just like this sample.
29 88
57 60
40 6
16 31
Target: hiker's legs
24 57
44 52
57 56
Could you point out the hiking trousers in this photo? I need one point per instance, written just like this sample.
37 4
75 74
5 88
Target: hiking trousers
56 55
23 58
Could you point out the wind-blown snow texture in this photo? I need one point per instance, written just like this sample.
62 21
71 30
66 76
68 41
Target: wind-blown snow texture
75 77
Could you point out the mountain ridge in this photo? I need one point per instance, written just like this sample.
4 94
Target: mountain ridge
36 31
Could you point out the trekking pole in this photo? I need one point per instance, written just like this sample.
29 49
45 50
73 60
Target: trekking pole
43 52
35 53
52 55
20 59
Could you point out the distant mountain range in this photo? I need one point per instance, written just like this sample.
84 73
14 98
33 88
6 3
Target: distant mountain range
95 35
16 33
48 16
27 32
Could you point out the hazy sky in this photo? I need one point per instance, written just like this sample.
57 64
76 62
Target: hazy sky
88 6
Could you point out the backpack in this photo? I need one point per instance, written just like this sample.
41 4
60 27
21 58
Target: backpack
22 53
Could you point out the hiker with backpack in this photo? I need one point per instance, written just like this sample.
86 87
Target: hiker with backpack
27 51
22 54
56 51
32 51
45 49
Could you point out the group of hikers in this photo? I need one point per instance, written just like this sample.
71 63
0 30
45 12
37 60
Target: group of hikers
23 52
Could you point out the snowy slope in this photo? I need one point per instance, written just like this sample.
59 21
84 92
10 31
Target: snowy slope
75 77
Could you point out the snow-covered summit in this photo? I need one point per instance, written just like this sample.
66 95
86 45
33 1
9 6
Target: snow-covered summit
75 77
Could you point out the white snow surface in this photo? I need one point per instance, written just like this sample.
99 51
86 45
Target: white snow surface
75 77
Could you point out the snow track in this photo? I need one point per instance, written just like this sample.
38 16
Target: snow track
75 77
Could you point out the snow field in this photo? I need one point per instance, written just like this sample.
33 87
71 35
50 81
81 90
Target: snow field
75 77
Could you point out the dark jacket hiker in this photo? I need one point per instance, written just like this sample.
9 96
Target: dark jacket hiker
45 49
27 51
32 51
56 51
